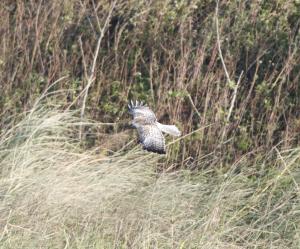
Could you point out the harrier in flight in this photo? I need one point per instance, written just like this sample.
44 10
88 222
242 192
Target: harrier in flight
149 130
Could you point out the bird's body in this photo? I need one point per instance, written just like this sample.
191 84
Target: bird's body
149 129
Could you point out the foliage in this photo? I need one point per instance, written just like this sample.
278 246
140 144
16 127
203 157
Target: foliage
165 53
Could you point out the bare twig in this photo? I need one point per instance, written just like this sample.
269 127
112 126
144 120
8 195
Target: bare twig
226 73
231 107
91 76
234 97
219 42
102 32
193 105
83 58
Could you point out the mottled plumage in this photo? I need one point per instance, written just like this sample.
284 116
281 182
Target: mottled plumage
149 130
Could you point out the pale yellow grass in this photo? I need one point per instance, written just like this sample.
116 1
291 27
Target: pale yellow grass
55 194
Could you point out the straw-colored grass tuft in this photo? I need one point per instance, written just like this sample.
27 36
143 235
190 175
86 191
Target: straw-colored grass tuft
55 194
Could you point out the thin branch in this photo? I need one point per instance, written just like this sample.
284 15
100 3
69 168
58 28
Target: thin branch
226 73
83 58
234 97
91 77
231 107
219 42
102 32
193 105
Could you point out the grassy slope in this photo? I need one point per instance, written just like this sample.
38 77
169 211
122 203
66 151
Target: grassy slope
54 194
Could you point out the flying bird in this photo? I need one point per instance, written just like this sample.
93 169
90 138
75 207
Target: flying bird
149 129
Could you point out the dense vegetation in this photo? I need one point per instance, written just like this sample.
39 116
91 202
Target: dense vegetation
227 73
166 53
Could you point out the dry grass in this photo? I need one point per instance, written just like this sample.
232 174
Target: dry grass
56 194
233 184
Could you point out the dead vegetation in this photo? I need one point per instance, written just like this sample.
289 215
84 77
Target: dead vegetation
54 194
226 72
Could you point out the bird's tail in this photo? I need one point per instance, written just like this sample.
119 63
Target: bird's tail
170 129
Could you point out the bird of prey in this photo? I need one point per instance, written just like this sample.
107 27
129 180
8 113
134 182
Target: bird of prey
149 129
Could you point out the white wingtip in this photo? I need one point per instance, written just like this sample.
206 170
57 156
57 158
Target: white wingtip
170 129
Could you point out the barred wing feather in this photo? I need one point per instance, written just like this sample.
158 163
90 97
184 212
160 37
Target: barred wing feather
149 130
151 138
140 111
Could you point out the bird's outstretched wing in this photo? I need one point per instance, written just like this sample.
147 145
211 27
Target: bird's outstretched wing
141 112
151 138
144 120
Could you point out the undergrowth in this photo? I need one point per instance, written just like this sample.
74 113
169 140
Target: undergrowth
165 53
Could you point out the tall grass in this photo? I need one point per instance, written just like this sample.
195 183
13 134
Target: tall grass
231 181
54 193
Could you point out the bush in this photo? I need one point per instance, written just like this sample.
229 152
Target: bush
164 53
